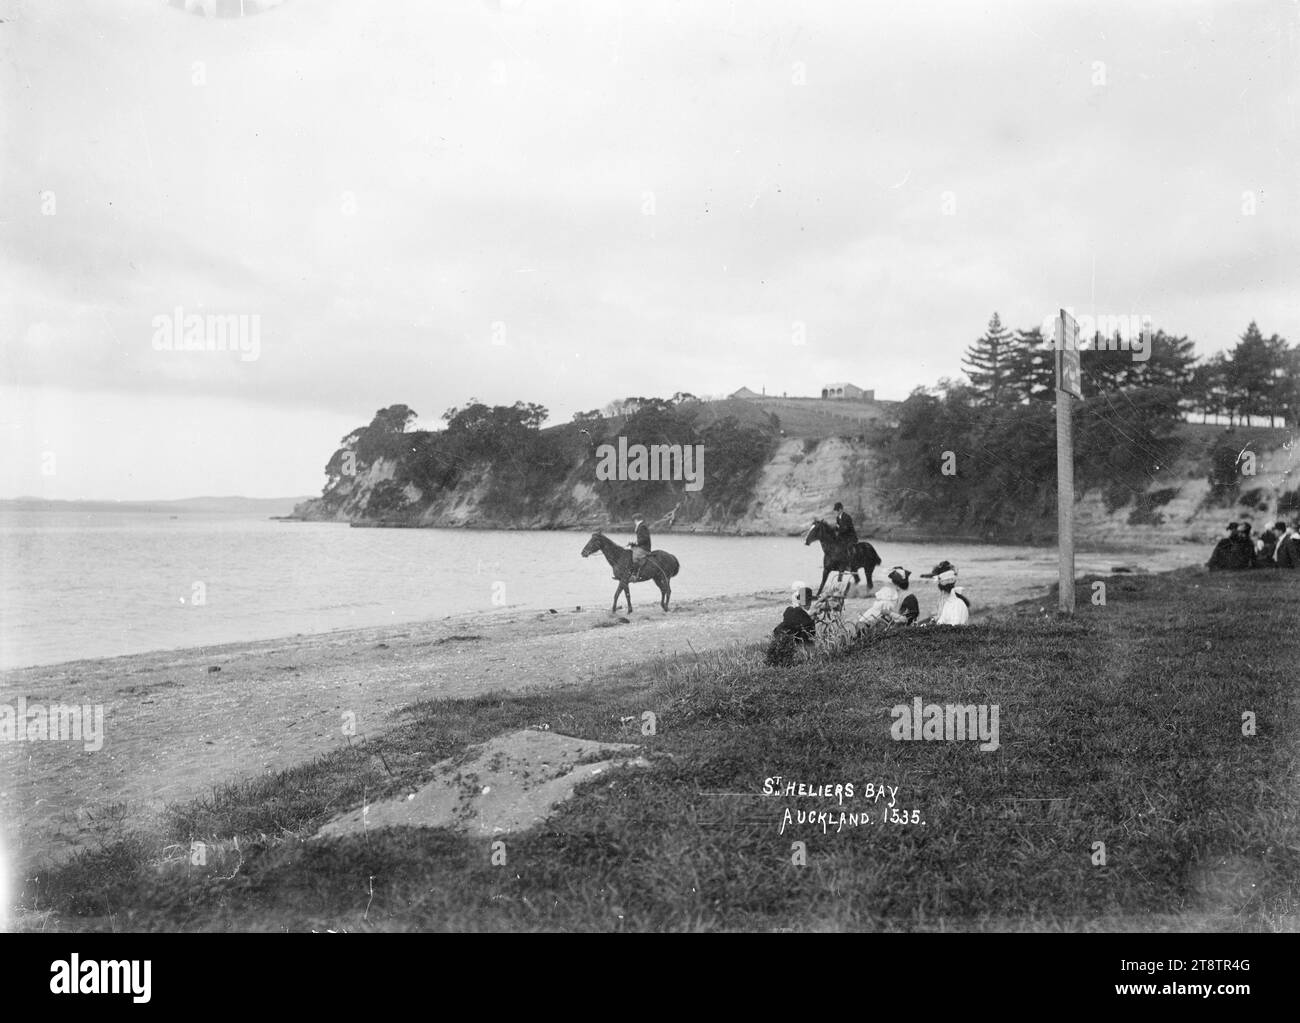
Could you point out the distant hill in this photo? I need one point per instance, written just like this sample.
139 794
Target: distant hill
268 506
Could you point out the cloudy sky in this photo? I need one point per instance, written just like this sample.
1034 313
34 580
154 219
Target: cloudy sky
565 203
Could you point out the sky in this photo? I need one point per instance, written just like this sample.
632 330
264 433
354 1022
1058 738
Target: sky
422 202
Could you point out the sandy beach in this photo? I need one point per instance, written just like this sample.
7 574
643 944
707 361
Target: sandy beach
175 725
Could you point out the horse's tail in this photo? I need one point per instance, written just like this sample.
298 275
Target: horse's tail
872 558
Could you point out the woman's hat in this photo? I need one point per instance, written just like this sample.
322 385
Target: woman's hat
899 574
940 569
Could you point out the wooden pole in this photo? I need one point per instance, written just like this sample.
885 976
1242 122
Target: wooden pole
1065 496
1064 473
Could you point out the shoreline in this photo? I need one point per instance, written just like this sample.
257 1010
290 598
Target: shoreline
175 728
179 723
1100 558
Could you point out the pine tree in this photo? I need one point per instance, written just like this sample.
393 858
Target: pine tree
988 363
1106 365
1031 366
1170 362
1288 397
1209 387
1255 366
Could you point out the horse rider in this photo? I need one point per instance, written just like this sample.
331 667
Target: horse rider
844 530
640 546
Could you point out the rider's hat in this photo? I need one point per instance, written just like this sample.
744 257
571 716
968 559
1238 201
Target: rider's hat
839 506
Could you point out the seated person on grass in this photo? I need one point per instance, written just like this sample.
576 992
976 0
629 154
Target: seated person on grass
954 606
1266 545
797 623
1229 554
893 605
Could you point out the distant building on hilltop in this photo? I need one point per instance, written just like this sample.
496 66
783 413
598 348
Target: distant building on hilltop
847 392
744 392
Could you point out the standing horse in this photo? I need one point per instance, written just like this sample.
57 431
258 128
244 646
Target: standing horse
658 565
841 555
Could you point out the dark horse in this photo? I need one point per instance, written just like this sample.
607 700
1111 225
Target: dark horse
841 555
658 565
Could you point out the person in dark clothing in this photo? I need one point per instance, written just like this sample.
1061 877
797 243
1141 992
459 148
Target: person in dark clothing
640 546
797 623
1246 545
844 524
1268 545
1229 553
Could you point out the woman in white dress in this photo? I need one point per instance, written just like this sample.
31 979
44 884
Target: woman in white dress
954 605
893 604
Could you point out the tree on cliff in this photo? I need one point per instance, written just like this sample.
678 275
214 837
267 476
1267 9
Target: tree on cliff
394 419
385 437
988 363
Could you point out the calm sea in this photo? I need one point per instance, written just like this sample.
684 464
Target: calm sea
77 584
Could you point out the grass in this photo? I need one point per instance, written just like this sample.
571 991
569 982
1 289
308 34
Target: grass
1122 726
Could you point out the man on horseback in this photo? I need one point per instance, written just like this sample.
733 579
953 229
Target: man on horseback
844 530
640 547
845 533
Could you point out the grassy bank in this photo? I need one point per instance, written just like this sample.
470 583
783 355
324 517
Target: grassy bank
1122 727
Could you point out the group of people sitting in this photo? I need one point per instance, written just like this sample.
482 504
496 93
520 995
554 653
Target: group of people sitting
1277 547
893 604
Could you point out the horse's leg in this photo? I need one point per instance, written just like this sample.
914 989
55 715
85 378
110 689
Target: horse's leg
826 571
665 592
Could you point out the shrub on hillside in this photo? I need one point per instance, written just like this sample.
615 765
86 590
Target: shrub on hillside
1144 510
1254 499
386 499
959 461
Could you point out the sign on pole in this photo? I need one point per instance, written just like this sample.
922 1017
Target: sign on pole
1069 378
1069 385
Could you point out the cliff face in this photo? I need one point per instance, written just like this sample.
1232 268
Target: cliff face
804 478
